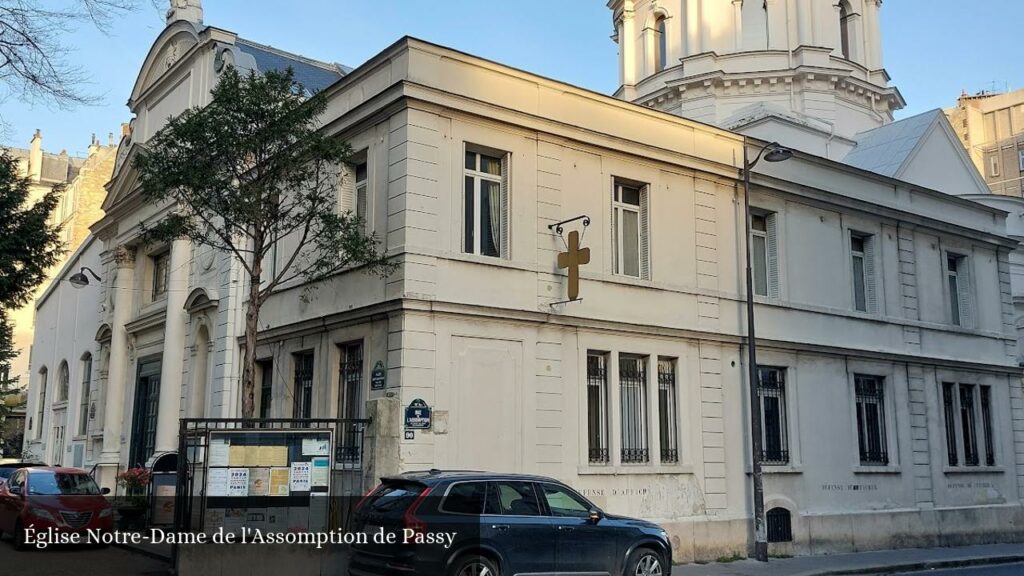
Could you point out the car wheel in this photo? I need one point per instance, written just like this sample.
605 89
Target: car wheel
19 537
473 565
645 562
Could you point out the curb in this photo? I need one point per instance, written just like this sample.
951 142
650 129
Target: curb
921 566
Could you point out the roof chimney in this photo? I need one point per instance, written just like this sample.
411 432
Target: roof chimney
189 10
94 144
35 157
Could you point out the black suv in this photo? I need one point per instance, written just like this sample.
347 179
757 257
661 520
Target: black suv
459 523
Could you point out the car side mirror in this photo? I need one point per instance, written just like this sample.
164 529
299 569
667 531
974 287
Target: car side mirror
595 516
104 490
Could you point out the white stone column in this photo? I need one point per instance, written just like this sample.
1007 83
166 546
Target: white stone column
872 35
737 10
173 359
694 44
117 369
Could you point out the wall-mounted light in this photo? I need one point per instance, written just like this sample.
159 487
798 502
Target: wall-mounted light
80 280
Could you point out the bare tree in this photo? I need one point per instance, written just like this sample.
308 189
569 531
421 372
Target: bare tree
34 64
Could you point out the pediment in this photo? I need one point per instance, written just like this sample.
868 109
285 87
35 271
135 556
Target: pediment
170 47
125 178
201 299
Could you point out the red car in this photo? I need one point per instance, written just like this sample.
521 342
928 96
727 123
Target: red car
54 502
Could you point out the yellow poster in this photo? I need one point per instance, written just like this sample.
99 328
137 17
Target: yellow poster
251 455
279 478
272 456
236 455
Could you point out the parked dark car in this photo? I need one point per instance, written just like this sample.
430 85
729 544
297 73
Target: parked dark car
502 524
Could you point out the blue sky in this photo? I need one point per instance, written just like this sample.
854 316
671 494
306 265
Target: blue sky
933 48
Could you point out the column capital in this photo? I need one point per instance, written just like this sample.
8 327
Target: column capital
124 256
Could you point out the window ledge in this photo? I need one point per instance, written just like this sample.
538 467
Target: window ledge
787 469
973 470
59 404
634 469
869 469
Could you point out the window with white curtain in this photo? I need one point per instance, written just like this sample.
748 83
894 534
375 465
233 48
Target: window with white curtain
630 235
485 203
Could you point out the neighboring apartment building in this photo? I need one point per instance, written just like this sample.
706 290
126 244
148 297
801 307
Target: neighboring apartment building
991 127
888 382
79 207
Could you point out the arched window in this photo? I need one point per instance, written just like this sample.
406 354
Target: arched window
83 411
41 407
62 381
844 28
660 44
780 527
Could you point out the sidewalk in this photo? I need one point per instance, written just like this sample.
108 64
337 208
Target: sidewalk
884 561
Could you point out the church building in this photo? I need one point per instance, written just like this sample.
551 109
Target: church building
888 382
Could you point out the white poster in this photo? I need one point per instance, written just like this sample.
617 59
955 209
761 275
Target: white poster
217 482
320 473
315 447
238 481
300 476
220 449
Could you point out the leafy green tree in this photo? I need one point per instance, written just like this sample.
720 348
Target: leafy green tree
29 248
252 174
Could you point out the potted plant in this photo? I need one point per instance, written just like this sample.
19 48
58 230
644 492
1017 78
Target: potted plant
132 509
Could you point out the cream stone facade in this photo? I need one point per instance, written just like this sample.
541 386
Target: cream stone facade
892 398
79 207
991 127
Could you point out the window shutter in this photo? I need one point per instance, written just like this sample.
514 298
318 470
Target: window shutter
870 294
773 255
504 248
964 289
347 192
645 233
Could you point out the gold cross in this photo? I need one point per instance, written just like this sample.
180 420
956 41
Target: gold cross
573 259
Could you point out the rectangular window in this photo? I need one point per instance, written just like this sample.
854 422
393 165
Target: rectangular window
303 387
633 400
667 411
957 277
1020 160
968 419
993 165
871 439
83 410
771 391
350 378
863 264
765 257
361 187
597 407
485 225
266 387
161 270
629 230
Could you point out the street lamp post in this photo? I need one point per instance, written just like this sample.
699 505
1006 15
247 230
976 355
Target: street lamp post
775 153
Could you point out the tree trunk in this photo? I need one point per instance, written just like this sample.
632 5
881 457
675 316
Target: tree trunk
252 316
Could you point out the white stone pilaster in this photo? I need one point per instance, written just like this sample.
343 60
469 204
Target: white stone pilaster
805 25
174 348
117 372
627 44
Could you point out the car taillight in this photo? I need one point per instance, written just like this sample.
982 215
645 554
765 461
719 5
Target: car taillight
411 521
365 498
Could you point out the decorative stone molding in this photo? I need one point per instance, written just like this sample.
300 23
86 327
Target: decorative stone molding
124 256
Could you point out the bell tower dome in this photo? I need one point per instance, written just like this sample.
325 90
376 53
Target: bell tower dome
812 68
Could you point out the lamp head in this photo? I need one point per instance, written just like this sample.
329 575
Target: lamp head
79 280
777 153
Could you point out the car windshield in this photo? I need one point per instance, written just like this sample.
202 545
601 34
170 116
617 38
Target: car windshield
6 473
61 483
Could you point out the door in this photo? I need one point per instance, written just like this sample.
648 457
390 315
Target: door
514 525
147 402
57 456
582 546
